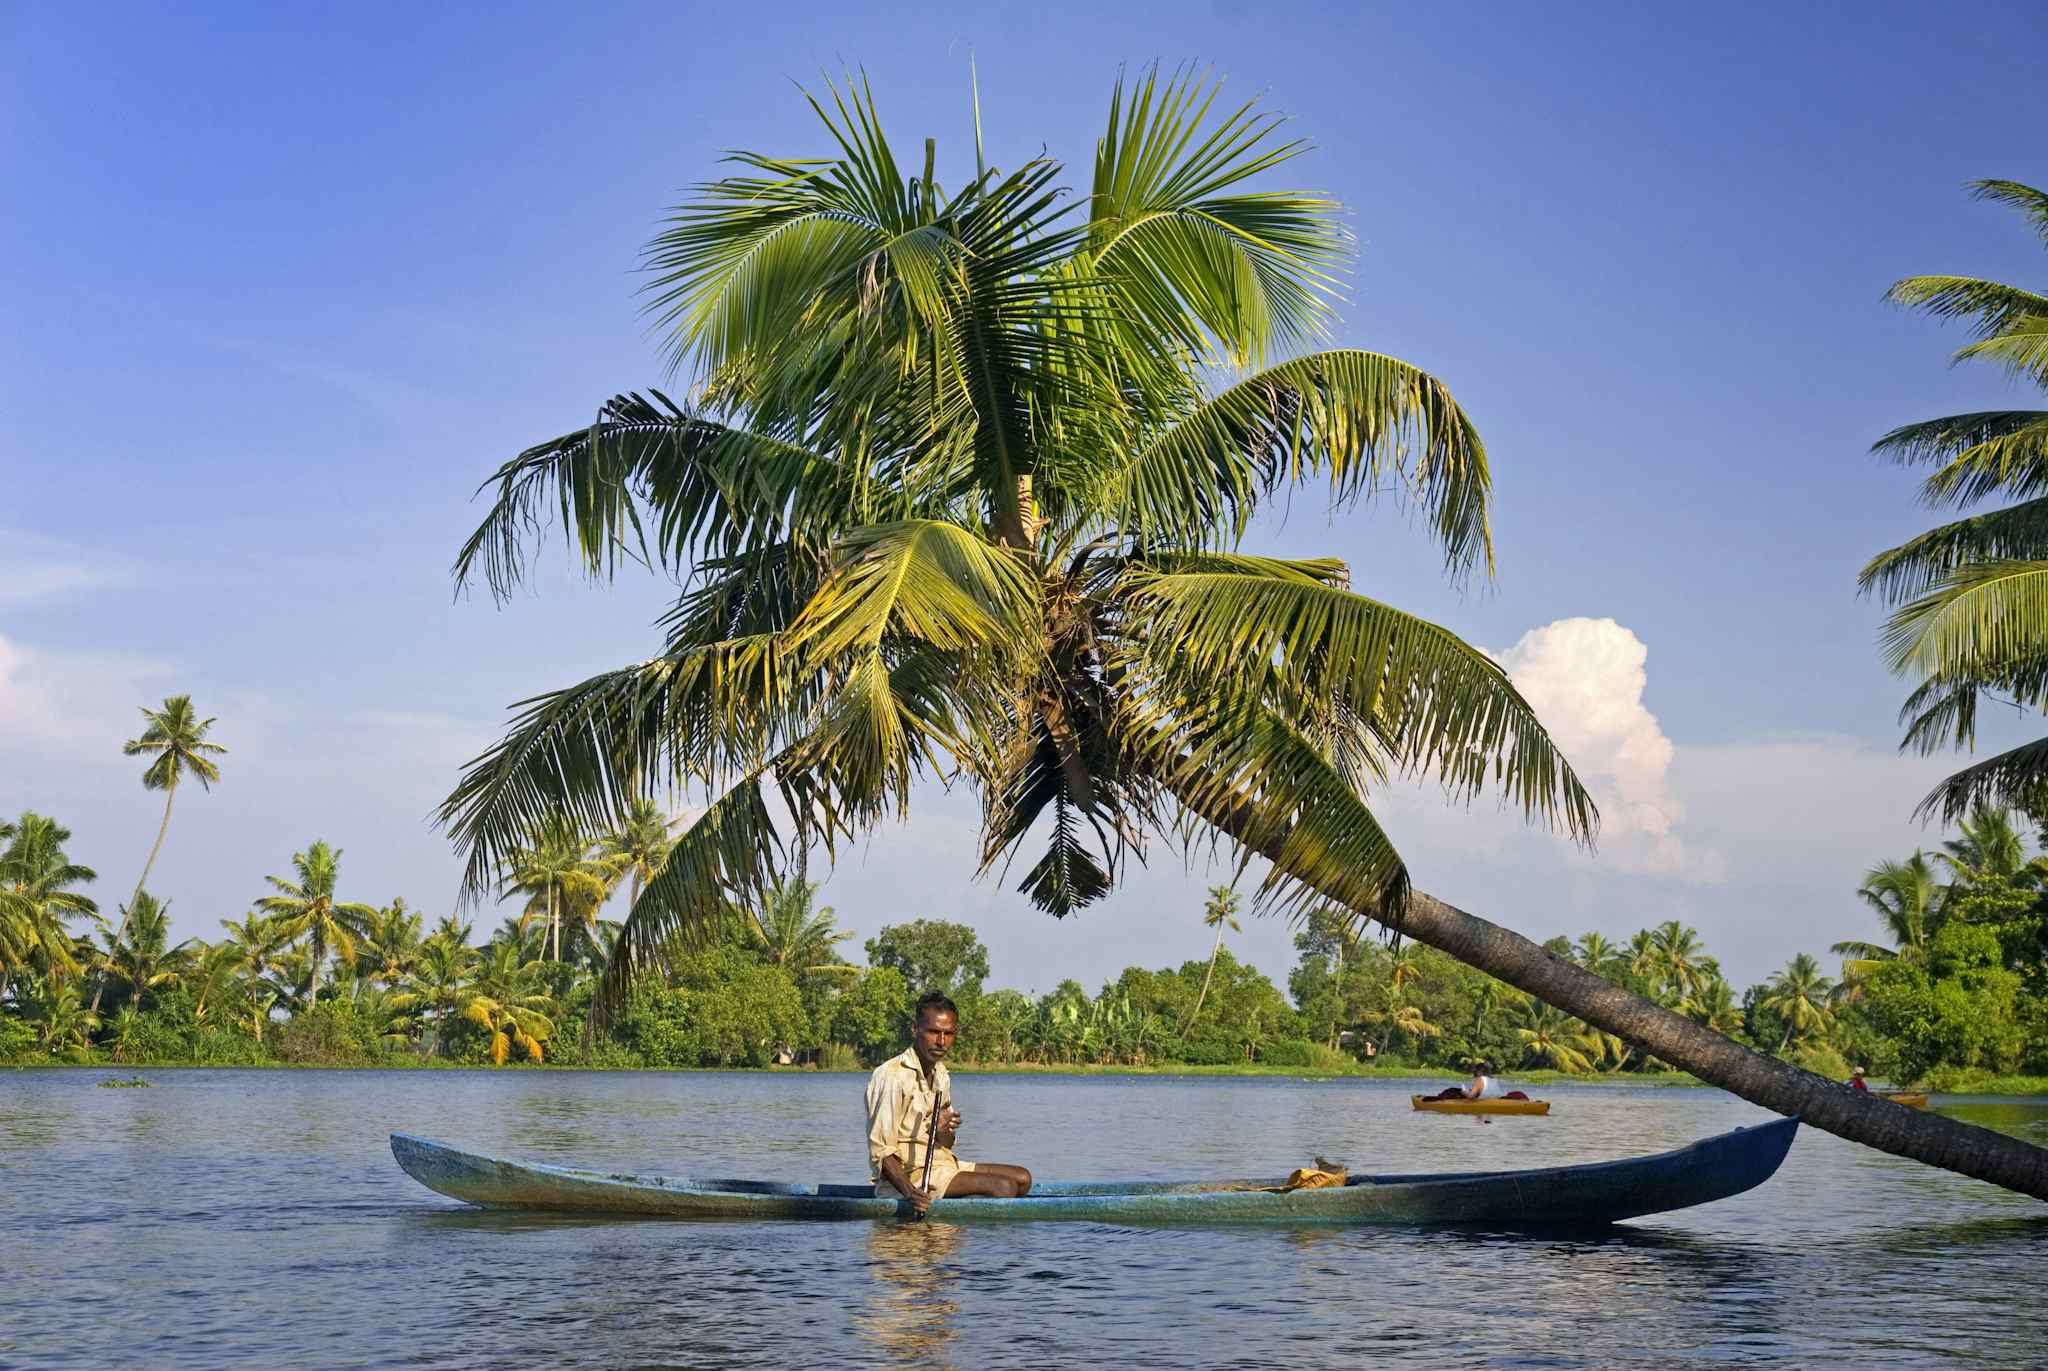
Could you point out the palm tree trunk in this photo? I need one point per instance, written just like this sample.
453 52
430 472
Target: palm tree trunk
1824 1104
1203 993
128 916
170 794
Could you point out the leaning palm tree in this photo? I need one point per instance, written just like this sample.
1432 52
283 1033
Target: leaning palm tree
1798 995
37 897
1970 596
308 908
960 486
1219 913
174 740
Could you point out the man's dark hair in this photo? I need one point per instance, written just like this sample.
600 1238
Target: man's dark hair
933 999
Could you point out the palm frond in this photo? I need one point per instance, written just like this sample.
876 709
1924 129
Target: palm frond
1437 705
1360 419
1191 256
1978 615
1994 452
2015 533
922 580
715 490
2029 201
1993 306
2013 777
587 752
2021 347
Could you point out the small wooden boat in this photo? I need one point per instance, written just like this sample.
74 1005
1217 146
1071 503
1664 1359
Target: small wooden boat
1561 1196
1423 1102
1912 1099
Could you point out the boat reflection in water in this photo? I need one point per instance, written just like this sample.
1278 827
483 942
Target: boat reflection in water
910 1308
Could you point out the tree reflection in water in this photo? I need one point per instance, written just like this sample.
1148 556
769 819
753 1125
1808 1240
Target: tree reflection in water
910 1309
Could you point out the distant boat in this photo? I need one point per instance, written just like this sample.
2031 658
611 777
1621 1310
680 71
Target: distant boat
1494 1106
1912 1099
1560 1196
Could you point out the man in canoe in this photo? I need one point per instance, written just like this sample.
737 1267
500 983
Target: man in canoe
1481 1088
903 1094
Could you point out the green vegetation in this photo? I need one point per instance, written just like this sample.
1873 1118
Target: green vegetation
1958 1002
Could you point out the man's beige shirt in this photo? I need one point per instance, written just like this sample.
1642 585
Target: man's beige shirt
900 1105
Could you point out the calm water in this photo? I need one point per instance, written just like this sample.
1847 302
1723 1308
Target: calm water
229 1218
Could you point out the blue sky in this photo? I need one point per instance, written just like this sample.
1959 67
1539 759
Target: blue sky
283 285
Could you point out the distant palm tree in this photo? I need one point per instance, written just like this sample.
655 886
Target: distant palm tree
440 978
254 945
796 935
307 908
393 941
1988 845
1219 913
1595 952
215 978
640 844
142 957
1799 997
1552 1038
175 739
1714 1005
63 1025
507 1002
558 875
1911 904
1404 1020
36 896
1680 960
1642 956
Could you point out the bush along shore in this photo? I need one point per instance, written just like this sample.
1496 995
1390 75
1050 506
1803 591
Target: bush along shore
1952 999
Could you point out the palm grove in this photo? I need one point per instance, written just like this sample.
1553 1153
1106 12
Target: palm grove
959 491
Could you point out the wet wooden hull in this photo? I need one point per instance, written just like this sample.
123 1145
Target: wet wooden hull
1429 1106
1565 1196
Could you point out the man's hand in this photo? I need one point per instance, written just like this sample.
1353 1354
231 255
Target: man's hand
949 1126
920 1201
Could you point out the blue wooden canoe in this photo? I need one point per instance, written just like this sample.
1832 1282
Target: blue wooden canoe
1560 1196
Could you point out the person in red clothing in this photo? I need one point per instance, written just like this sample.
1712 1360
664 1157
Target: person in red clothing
1856 1081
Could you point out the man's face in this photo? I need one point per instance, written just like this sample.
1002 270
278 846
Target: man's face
932 1035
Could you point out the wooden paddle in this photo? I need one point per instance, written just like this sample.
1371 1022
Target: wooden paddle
931 1143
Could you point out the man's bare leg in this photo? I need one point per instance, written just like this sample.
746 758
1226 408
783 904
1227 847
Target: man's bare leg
991 1180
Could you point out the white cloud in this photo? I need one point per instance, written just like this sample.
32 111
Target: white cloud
34 568
51 702
1585 680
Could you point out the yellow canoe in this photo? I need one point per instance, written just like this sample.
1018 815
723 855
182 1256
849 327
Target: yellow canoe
1480 1106
1912 1099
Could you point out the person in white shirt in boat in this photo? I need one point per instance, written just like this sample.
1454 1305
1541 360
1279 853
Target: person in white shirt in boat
1481 1088
903 1094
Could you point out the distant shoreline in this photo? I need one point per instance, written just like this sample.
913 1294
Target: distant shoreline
2014 1087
